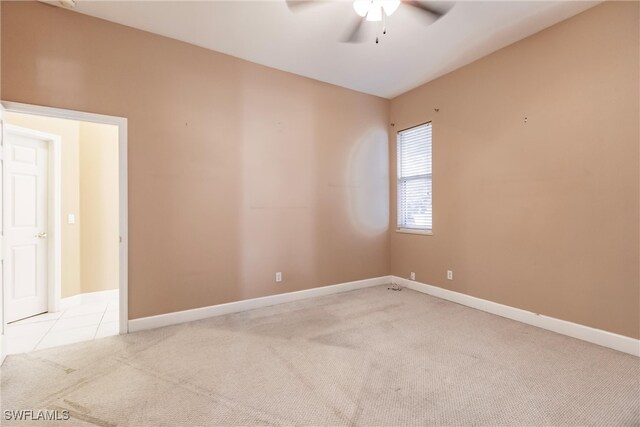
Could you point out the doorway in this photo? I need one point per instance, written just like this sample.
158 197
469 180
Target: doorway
64 227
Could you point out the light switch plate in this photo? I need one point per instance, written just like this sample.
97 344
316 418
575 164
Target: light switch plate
71 219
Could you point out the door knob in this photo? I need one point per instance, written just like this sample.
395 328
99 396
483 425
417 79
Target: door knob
41 235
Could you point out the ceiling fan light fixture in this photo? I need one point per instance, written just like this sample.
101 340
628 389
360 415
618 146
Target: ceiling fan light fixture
375 13
373 9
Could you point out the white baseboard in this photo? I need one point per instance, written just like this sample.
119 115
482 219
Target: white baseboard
585 333
177 317
581 332
89 298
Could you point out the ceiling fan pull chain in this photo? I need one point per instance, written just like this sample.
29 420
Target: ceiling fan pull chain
384 23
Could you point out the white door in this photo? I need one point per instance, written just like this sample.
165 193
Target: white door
25 223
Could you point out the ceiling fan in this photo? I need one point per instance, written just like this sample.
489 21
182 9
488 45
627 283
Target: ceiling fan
374 11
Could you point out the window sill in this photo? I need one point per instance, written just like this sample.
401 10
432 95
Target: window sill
410 231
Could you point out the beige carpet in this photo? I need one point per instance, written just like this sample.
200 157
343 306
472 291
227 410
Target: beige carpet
367 357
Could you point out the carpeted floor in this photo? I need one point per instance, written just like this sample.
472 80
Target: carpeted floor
367 357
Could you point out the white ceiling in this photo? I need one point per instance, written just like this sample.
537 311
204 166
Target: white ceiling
413 52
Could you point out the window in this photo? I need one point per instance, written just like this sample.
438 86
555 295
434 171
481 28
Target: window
414 179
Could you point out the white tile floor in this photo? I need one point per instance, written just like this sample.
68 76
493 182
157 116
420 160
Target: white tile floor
79 323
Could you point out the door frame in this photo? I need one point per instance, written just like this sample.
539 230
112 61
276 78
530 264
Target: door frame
121 123
54 228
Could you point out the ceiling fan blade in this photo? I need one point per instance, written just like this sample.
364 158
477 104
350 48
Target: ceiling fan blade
424 7
355 34
297 5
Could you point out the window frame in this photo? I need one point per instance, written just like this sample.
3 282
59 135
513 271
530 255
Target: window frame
400 179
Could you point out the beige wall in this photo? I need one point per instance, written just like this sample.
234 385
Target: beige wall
68 130
236 171
99 237
541 215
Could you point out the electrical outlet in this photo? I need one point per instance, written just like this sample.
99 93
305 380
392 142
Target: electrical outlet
449 274
413 276
278 276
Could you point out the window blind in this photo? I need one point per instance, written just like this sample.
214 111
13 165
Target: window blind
414 178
